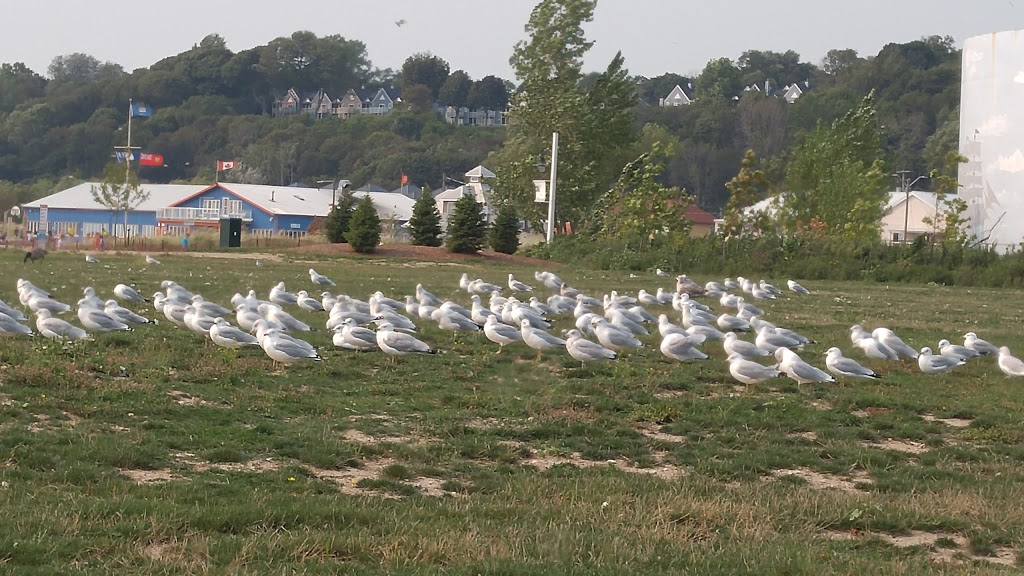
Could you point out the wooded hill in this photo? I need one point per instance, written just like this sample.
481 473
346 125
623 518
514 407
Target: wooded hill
213 104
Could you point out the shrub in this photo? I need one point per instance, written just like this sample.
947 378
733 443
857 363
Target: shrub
425 224
364 228
504 235
338 220
467 228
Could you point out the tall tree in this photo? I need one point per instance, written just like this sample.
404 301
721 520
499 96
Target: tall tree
488 93
364 227
425 224
426 69
836 179
749 187
455 90
18 84
720 79
467 228
119 192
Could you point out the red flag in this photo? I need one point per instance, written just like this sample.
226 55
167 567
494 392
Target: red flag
405 179
151 160
226 165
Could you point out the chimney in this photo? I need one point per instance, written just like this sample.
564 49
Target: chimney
271 195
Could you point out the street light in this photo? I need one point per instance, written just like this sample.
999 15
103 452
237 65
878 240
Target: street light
905 187
551 187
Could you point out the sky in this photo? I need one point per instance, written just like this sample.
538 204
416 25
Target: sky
655 36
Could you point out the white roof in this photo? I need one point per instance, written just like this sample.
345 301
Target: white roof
390 205
479 192
480 172
896 198
450 194
80 197
289 200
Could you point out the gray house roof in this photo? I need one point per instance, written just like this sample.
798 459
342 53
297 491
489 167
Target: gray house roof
80 197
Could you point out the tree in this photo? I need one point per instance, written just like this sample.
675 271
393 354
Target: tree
339 219
455 90
425 223
119 192
504 235
488 93
18 84
838 61
426 69
467 229
836 180
762 122
364 227
749 187
720 79
951 220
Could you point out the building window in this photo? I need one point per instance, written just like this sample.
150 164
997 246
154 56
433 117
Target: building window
211 204
895 237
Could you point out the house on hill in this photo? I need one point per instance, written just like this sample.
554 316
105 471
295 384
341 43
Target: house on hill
679 96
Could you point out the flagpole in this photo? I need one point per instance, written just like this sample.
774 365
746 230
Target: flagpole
127 171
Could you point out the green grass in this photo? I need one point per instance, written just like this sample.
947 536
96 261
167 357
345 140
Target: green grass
151 452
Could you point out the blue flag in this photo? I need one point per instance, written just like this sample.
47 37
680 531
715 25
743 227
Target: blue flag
141 110
121 156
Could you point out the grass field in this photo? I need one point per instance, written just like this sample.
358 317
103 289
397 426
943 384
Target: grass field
153 453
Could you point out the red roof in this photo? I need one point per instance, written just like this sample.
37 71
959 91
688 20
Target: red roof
698 216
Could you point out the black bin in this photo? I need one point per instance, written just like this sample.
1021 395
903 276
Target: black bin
230 232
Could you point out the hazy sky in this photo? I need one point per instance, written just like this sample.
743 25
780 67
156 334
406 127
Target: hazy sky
656 36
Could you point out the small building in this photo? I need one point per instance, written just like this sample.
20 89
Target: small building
463 116
474 185
909 211
702 223
679 96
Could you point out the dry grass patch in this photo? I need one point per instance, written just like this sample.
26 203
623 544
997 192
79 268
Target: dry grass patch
904 446
662 470
822 405
939 547
360 437
256 466
952 422
150 476
653 433
811 435
821 481
186 399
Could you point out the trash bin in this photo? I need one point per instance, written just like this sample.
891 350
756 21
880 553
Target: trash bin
230 232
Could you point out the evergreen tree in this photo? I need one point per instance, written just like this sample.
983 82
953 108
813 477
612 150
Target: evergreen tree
364 227
467 228
504 235
337 222
425 224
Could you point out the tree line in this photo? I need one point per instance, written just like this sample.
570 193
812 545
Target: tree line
213 104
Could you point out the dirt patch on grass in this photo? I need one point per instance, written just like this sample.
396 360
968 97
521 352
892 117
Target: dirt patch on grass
952 422
671 394
256 465
156 551
812 436
904 446
653 433
348 479
186 399
662 470
821 405
6 400
939 547
821 481
428 255
150 476
360 437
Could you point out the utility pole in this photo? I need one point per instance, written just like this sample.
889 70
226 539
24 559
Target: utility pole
905 186
551 192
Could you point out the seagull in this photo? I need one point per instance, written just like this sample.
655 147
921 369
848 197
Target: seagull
151 260
286 351
227 336
117 312
733 345
320 278
353 337
17 315
424 297
517 286
937 363
306 302
771 341
980 346
613 337
961 352
897 345
665 327
662 273
846 367
128 294
797 288
586 351
400 23
398 343
11 327
682 347
793 366
1010 365
37 302
90 300
733 323
277 314
280 295
207 308
748 372
57 329
550 280
501 334
91 259
538 339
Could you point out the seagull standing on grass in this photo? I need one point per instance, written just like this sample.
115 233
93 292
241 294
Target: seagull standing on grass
398 343
748 372
937 363
1010 365
11 327
151 260
517 286
895 343
352 337
793 366
846 367
501 334
538 339
682 347
286 350
117 312
956 351
57 329
89 258
797 288
586 351
980 346
662 273
128 294
320 278
227 336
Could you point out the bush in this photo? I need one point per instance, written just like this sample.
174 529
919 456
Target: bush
338 220
425 224
467 228
364 228
504 235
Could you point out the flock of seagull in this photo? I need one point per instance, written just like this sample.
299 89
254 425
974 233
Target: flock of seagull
603 329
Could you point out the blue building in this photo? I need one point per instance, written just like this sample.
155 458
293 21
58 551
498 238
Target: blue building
177 209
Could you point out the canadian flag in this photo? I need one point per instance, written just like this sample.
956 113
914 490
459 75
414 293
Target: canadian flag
225 165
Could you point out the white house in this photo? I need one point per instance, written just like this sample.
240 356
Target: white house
900 213
474 185
678 96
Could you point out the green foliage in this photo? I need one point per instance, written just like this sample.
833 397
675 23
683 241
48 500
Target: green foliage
467 229
425 223
425 69
455 90
720 79
749 187
119 192
488 93
339 219
835 182
504 234
364 227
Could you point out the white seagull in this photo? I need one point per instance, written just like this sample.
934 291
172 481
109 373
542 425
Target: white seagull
793 366
286 350
117 312
957 351
91 259
57 329
128 294
1010 365
797 288
501 334
980 346
151 260
398 343
682 347
353 337
538 339
320 278
894 343
937 363
748 372
846 367
227 336
517 286
586 351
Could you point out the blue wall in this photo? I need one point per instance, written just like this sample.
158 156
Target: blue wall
291 223
98 217
260 219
